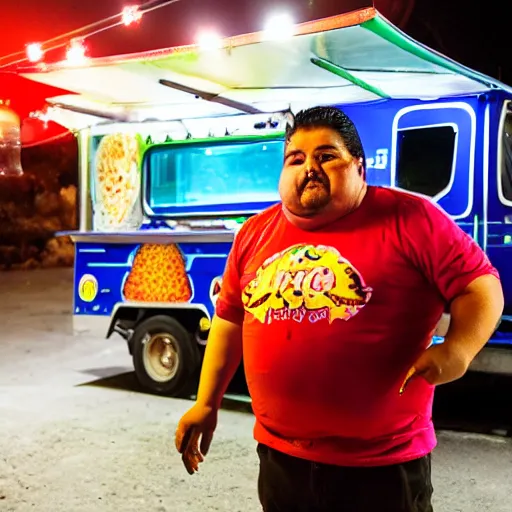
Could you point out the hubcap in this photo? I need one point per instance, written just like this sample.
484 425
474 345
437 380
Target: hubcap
161 357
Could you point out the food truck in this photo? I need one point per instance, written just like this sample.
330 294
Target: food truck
180 146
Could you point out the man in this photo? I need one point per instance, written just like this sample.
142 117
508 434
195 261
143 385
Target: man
333 297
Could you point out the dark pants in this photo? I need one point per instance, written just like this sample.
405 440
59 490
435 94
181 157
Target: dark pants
288 484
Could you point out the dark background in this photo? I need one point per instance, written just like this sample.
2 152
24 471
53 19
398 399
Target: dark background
476 34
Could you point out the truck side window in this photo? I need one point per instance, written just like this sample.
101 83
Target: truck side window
425 159
200 176
506 156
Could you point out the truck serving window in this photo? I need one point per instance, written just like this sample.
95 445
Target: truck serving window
425 159
506 158
214 176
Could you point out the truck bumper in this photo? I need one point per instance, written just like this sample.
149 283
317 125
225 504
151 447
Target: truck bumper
495 360
95 326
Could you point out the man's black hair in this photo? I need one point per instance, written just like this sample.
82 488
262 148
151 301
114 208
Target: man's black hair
334 118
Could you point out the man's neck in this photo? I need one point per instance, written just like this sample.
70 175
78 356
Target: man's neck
327 216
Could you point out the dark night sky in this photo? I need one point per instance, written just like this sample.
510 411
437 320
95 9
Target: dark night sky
477 36
172 25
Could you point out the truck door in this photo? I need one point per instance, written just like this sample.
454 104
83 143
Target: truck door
433 153
499 225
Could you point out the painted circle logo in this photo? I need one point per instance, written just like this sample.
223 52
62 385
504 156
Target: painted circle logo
88 288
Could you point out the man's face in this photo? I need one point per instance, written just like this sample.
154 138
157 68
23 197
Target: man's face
318 171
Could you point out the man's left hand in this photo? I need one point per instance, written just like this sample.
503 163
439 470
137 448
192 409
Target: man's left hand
439 364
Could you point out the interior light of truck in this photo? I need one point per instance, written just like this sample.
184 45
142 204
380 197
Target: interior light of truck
210 41
34 52
279 27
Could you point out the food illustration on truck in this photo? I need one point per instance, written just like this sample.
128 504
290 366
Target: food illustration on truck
117 182
158 274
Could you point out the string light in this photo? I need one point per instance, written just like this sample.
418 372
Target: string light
131 14
76 54
279 27
34 52
128 16
210 41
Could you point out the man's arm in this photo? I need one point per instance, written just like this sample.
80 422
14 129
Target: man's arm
222 357
223 352
475 313
453 262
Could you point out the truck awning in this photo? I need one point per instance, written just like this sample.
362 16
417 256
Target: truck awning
351 58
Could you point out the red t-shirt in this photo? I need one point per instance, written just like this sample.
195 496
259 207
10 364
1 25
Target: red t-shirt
333 319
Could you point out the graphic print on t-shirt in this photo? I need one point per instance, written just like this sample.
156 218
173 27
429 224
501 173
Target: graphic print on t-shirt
306 282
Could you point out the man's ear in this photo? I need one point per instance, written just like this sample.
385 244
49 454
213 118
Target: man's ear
361 169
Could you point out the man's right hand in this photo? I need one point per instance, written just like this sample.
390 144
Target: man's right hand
194 435
221 359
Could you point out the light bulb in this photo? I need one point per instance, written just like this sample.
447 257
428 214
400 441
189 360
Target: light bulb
131 14
210 41
76 53
279 27
34 52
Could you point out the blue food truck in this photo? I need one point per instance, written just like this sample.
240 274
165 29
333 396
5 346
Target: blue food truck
179 147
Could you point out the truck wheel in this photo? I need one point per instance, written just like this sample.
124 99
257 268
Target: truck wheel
165 357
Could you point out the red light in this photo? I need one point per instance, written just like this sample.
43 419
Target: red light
131 14
34 52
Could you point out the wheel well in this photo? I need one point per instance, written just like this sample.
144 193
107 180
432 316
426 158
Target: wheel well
126 318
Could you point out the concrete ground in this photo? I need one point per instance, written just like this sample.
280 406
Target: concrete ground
72 440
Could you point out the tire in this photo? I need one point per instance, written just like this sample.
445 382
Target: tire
165 357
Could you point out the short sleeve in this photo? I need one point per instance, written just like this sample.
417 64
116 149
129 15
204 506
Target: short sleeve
229 304
449 258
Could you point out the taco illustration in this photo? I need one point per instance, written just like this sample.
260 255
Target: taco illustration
306 277
117 180
158 274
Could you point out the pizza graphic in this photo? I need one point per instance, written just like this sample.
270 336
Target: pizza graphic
158 274
117 179
306 282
